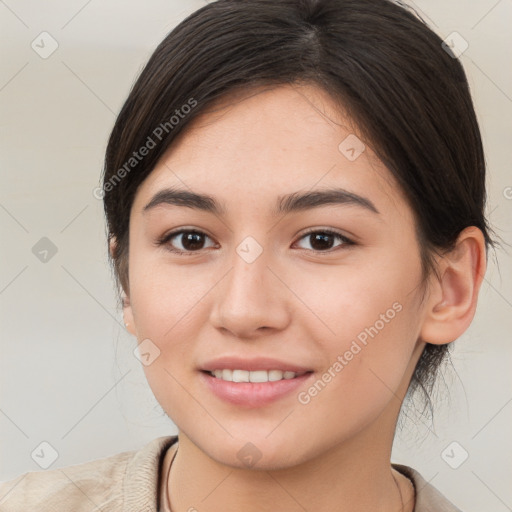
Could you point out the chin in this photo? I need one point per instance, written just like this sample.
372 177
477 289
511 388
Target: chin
253 451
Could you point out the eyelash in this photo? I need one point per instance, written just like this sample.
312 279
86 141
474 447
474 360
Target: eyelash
164 240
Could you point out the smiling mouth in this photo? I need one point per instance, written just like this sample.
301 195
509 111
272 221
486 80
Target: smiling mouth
256 376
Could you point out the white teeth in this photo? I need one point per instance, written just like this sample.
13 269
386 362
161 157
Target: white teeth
239 375
253 376
274 375
258 376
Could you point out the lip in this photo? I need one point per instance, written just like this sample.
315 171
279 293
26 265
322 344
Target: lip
251 364
252 394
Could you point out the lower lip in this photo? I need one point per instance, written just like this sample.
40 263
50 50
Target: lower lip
253 394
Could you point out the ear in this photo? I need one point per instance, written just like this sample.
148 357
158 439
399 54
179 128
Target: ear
129 321
453 298
127 308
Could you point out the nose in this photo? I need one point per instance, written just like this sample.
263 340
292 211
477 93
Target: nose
252 299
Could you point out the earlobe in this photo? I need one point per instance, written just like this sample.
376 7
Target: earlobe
128 316
112 244
127 308
453 298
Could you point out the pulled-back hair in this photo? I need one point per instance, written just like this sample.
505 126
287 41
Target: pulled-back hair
404 90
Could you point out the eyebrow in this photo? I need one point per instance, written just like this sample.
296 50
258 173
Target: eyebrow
288 203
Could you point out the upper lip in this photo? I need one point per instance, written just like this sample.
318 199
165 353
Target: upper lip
252 364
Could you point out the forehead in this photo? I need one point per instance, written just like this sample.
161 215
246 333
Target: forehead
254 145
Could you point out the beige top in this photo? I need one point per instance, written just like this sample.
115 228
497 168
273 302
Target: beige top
134 481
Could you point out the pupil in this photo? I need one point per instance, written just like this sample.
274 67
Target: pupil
323 238
320 241
192 241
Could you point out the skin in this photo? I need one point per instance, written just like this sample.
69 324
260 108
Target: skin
294 303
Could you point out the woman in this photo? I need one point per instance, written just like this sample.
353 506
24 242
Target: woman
294 194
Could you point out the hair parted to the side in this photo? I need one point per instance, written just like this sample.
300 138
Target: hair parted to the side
387 70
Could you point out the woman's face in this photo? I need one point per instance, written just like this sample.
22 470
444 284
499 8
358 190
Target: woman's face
255 289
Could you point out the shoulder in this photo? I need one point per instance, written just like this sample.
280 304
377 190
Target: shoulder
106 484
428 498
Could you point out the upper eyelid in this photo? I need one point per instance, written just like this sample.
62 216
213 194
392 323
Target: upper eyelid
180 231
167 237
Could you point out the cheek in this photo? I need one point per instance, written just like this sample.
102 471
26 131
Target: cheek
365 371
367 326
164 298
360 300
170 307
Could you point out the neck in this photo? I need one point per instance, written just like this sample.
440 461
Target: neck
355 476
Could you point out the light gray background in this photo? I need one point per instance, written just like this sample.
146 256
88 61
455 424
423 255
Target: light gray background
67 371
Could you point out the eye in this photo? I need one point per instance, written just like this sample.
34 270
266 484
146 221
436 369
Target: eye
187 240
321 240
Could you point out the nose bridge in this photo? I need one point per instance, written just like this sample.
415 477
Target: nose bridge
250 296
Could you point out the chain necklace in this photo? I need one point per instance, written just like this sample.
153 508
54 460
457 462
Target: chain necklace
399 490
174 456
167 501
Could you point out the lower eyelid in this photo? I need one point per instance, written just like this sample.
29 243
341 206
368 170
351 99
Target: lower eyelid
166 239
345 241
